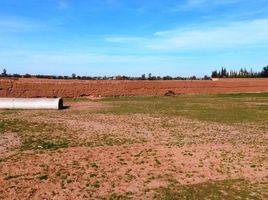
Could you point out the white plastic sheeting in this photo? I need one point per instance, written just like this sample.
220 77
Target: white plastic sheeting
31 103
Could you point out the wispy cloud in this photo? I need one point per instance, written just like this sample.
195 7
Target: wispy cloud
10 23
62 5
120 36
233 34
194 4
115 39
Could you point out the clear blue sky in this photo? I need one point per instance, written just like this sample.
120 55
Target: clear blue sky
132 37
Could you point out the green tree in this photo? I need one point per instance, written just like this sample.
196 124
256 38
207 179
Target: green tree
215 74
264 72
4 73
143 77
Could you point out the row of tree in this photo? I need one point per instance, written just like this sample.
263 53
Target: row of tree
74 76
223 73
242 73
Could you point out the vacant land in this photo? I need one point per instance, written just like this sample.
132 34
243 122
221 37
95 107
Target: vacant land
33 87
183 147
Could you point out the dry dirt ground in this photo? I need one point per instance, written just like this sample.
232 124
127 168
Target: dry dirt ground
33 87
85 153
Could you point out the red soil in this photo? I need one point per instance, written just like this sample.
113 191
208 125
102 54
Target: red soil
77 88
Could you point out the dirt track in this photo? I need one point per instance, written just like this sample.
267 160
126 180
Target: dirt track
77 88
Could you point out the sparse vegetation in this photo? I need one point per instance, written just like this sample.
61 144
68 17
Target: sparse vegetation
22 126
118 77
224 108
35 135
38 144
43 177
130 147
228 189
223 73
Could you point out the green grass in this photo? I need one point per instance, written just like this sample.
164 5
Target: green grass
7 112
13 176
239 95
108 140
43 177
115 196
80 99
36 136
37 144
20 126
227 189
224 108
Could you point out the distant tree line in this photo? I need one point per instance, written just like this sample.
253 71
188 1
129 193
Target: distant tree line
119 77
223 73
242 73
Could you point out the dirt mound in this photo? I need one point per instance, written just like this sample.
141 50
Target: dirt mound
77 88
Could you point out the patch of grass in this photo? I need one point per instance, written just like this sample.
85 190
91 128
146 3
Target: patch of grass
108 140
228 189
94 165
43 177
30 143
80 99
14 176
7 112
157 161
49 145
58 173
9 157
96 184
36 135
93 175
115 196
69 181
226 108
20 126
239 95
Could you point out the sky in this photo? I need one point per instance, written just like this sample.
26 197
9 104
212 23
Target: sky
132 37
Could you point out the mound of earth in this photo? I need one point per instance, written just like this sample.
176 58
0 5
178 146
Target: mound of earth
34 87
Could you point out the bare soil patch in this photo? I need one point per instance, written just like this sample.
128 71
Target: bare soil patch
9 143
89 105
33 87
124 156
129 169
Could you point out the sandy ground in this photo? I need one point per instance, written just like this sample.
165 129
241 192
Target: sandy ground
78 88
127 154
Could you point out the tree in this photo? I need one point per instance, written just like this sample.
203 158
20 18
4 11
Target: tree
143 77
16 75
264 72
215 74
193 78
167 78
27 76
150 77
4 73
223 73
206 77
74 76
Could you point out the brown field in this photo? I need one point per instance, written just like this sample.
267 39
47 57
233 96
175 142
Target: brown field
183 147
76 88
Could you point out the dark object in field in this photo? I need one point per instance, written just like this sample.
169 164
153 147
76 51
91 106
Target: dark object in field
170 93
